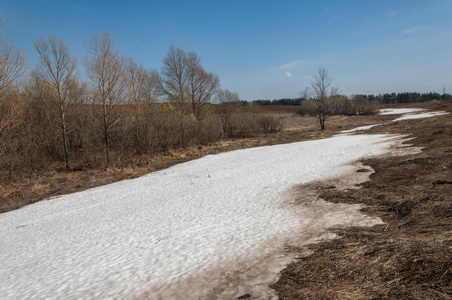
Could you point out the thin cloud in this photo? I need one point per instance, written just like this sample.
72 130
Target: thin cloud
410 31
288 74
290 65
308 77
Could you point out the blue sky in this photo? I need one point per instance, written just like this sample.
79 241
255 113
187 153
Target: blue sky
261 49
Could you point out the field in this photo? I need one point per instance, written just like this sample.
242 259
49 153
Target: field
406 257
14 195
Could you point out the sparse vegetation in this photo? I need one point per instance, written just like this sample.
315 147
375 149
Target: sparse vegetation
124 112
409 256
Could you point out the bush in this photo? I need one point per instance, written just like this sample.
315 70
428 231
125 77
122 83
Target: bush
210 130
269 123
243 124
309 108
363 106
342 105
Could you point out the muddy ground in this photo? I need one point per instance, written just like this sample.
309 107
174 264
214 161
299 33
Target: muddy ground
408 258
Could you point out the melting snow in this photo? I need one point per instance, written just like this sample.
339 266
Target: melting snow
147 235
409 113
360 128
421 115
144 234
397 111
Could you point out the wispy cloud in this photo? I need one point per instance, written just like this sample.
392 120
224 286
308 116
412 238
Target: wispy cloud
290 65
288 74
307 77
410 31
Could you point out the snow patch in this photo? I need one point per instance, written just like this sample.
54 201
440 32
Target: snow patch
360 128
148 235
421 115
397 111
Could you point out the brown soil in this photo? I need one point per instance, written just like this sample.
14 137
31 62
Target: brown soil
408 258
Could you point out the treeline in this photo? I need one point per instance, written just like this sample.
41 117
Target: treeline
386 98
284 101
389 98
123 114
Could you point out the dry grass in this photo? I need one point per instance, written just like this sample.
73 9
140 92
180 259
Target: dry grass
14 195
410 257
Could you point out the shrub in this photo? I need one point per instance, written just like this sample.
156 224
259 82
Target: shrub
269 123
309 108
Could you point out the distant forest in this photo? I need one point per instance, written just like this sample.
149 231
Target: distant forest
386 98
284 101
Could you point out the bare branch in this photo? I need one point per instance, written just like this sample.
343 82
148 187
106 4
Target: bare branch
12 65
105 69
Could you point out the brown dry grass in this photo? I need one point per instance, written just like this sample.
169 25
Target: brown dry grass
411 257
14 195
280 108
408 259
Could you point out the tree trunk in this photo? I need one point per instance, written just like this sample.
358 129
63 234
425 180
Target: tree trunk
65 147
106 140
322 123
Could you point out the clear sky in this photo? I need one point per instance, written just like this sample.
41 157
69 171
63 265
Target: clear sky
262 49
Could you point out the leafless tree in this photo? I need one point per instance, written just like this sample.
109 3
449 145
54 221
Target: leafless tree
323 93
142 87
12 64
141 83
201 85
304 95
58 69
174 79
228 104
104 67
185 82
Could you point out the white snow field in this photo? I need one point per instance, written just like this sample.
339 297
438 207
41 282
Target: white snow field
144 236
182 232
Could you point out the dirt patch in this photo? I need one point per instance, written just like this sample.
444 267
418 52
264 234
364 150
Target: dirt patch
408 258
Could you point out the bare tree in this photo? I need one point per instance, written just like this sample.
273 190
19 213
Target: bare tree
141 83
105 72
322 93
201 85
58 69
141 92
185 81
12 64
228 104
304 95
174 79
